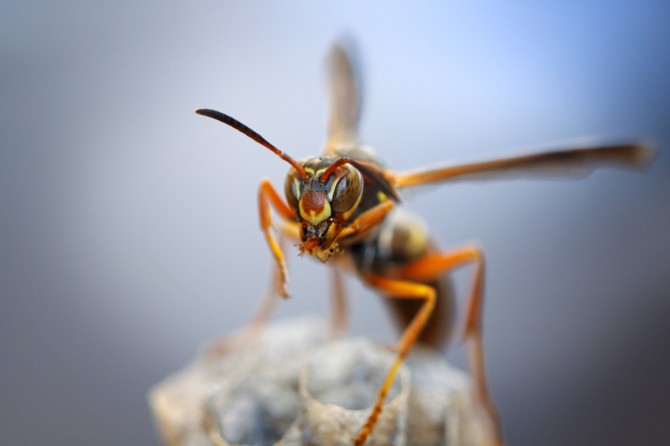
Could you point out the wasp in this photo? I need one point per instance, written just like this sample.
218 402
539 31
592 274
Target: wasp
342 207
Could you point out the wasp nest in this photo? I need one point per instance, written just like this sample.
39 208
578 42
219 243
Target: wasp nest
292 386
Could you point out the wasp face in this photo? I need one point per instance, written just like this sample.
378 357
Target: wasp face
323 206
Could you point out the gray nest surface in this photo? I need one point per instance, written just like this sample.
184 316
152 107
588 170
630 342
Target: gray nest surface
293 386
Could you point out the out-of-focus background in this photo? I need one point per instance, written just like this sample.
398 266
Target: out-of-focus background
128 225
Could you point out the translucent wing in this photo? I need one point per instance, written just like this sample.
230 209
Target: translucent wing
345 100
575 161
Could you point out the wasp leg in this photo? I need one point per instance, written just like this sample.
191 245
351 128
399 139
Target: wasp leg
263 313
360 227
265 309
255 326
339 314
337 324
367 221
268 195
433 265
394 288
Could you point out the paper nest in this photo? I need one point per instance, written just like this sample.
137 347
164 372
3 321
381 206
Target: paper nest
293 386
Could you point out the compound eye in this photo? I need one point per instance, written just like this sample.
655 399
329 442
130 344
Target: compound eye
348 191
291 190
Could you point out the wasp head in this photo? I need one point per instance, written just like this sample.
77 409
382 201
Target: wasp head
323 201
323 191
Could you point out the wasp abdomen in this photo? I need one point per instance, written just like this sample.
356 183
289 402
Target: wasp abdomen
402 239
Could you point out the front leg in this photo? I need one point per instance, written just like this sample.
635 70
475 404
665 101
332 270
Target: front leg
268 195
367 221
264 311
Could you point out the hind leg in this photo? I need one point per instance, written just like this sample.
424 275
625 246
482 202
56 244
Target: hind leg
434 265
393 288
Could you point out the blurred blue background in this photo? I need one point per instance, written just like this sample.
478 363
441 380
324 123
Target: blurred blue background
129 232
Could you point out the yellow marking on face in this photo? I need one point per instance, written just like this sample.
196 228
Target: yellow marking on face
333 185
316 218
314 208
381 196
309 170
297 189
331 189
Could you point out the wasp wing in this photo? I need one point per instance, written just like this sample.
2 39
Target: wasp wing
345 100
571 162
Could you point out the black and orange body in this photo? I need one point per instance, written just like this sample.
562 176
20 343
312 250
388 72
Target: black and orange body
342 208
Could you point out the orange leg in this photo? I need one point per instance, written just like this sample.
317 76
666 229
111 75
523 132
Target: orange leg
367 221
358 228
393 288
430 267
268 195
263 312
255 326
337 324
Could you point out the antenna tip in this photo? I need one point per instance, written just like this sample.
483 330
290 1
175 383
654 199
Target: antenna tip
213 114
